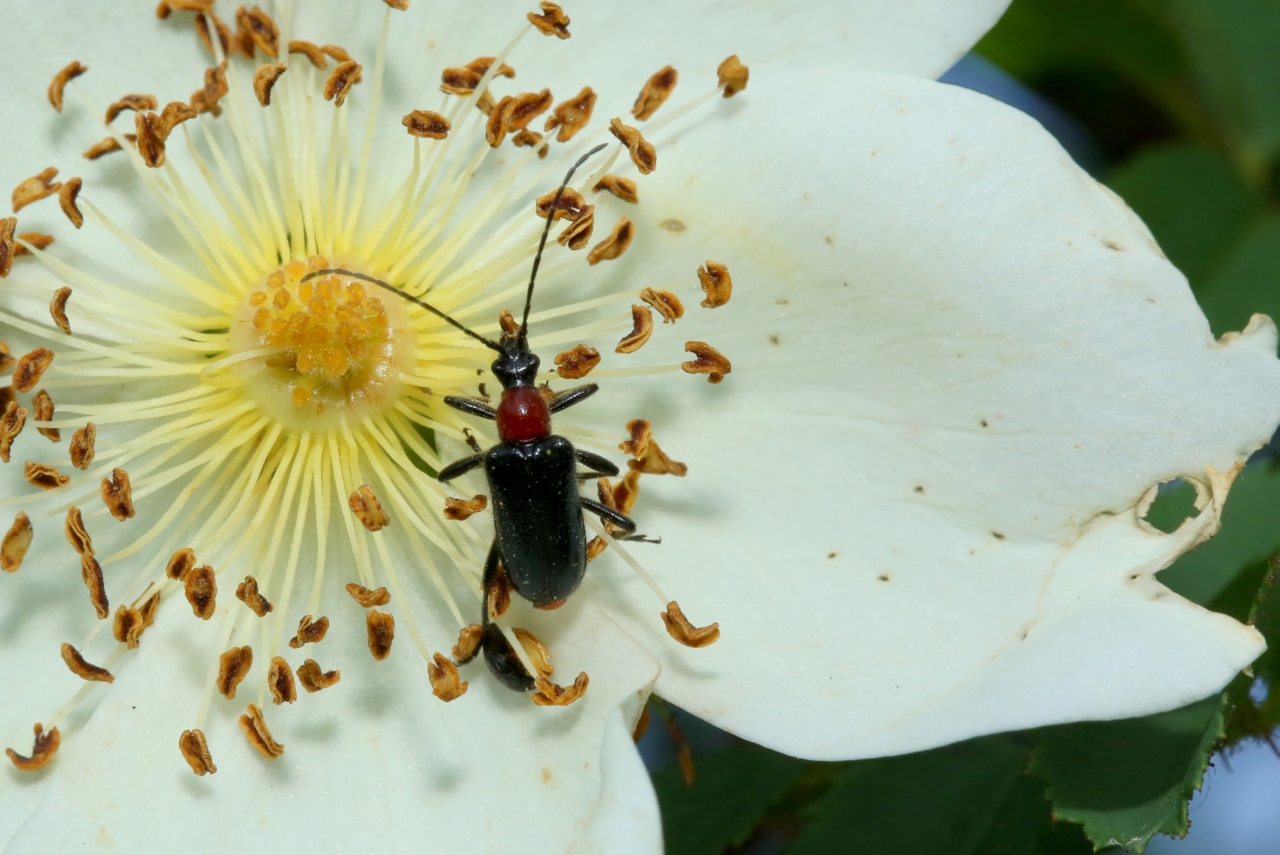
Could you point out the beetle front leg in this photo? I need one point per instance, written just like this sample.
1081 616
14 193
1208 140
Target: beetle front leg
569 397
472 406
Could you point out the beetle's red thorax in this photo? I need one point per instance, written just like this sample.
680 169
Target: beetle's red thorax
523 415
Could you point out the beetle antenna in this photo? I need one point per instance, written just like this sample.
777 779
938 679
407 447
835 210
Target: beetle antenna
412 299
551 215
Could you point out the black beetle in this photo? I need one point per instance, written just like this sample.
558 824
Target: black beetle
540 539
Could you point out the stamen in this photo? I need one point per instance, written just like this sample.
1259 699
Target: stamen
106 146
34 189
312 52
427 124
17 540
468 643
623 188
91 573
136 103
117 495
643 154
679 628
8 250
82 669
446 683
577 363
76 533
82 446
255 730
60 80
382 631
11 424
313 679
180 564
233 667
461 509
733 76
667 304
614 245
201 588
310 632
365 505
549 694
657 89
45 746
195 750
247 593
367 598
716 283
280 682
552 22
707 360
58 307
264 80
44 476
642 328
572 115
340 82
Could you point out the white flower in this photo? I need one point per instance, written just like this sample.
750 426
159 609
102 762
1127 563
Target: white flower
960 367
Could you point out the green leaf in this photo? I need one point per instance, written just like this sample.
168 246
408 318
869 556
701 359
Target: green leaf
1127 781
968 799
1255 712
1266 619
731 793
1193 201
1247 281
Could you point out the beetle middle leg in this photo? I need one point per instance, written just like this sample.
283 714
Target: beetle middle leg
618 519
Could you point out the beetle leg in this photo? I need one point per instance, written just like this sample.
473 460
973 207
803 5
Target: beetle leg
471 440
617 518
498 653
459 467
599 465
471 406
569 397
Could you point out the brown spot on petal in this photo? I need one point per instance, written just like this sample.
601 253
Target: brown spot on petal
137 103
60 80
17 540
708 361
572 115
716 283
263 30
247 593
82 450
427 125
196 752
310 632
339 84
551 695
233 667
35 188
117 494
77 534
657 89
44 476
623 188
570 207
643 154
552 22
312 51
578 233
733 76
255 730
446 684
537 652
101 147
461 509
42 411
11 424
45 746
679 628
667 304
58 309
8 249
200 584
91 574
468 643
365 505
577 363
382 631
264 80
313 679
128 626
366 597
642 328
280 682
614 245
83 669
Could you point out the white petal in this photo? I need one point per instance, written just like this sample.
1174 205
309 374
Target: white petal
369 764
626 820
959 364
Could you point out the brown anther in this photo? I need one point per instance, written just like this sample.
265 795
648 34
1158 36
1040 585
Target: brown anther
499 593
46 745
313 679
641 329
426 124
103 146
233 667
224 33
312 51
83 669
67 194
570 207
44 476
499 121
667 304
117 494
17 540
264 79
446 684
36 239
180 564
551 695
733 76
82 441
35 188
716 283
578 234
654 461
255 730
401 5
614 245
91 573
8 248
137 103
382 631
595 548
58 309
11 424
127 626
365 505
42 411
526 139
167 7
657 89
460 509
679 628
507 323
196 752
638 445
537 652
460 81
527 107
280 682
309 631
147 606
215 87
708 361
643 154
623 188
60 80
481 65
468 642
552 22
150 140
77 534
577 363
200 584
247 593
174 114
339 84
572 115
263 30
337 52
368 598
